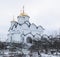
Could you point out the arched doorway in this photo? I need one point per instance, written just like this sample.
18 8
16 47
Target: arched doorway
29 40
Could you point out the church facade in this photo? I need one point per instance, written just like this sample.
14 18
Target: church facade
23 31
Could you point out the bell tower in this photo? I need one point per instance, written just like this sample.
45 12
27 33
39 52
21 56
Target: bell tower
23 17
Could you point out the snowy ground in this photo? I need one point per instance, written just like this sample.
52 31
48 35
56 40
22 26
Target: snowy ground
45 55
42 54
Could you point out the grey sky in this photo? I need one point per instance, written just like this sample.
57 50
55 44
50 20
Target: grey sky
41 12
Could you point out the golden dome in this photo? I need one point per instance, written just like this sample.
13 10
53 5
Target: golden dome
23 13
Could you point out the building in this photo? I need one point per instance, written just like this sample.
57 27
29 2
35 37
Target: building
23 31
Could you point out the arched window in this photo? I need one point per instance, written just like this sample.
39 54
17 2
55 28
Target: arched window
29 40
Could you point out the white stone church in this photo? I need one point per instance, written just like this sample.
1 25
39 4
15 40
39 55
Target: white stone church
22 30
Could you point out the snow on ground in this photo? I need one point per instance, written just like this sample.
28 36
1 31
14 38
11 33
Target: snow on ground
45 55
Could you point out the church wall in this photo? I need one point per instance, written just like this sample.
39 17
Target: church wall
22 19
24 27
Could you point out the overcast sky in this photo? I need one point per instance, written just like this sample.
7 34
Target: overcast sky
42 12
